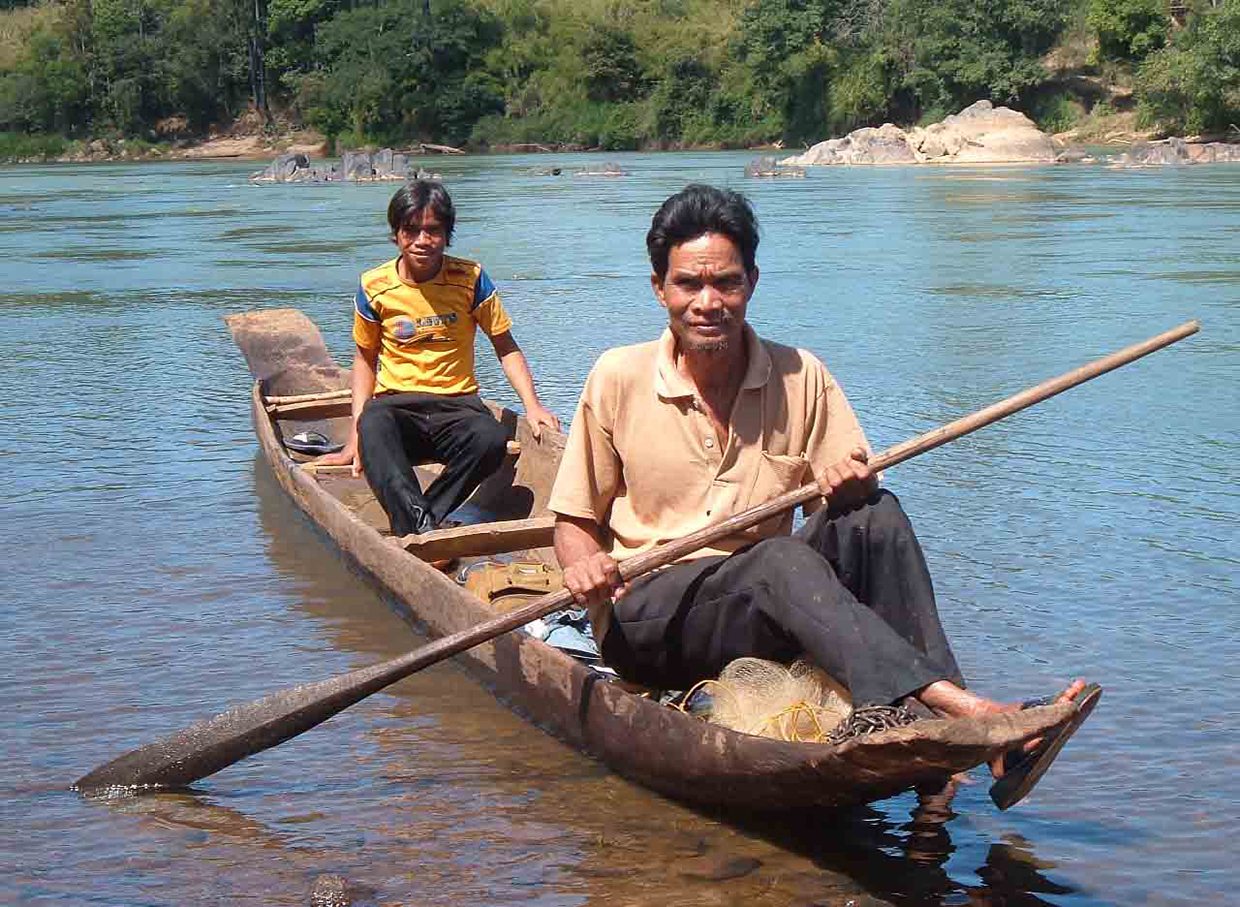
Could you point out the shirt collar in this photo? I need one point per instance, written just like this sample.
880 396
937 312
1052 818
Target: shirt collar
670 384
437 279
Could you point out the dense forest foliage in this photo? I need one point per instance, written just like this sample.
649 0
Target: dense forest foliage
614 74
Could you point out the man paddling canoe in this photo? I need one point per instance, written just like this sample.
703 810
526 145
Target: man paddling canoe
415 396
708 420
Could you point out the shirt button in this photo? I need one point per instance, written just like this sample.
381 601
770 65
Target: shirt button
710 442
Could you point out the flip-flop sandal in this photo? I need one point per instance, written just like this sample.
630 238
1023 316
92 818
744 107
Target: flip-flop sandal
1021 771
312 442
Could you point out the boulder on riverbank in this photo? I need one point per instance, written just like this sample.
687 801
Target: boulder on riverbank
979 134
354 167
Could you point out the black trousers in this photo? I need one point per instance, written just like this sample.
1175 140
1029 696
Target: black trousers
398 430
851 592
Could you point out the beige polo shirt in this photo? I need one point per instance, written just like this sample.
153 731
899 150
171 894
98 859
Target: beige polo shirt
644 462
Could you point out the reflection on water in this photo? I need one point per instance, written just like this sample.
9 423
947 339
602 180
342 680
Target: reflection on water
156 573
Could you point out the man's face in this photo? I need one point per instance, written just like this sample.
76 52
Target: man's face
422 239
705 292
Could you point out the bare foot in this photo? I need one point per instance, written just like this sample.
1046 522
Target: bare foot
948 699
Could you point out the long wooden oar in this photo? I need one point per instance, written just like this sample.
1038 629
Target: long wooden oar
216 743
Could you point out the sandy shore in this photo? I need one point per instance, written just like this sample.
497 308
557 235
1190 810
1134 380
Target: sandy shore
257 147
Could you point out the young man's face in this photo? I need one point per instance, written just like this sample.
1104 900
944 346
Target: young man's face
422 240
706 292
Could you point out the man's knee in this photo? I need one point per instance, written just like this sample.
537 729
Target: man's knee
488 441
879 517
785 565
886 514
376 428
375 418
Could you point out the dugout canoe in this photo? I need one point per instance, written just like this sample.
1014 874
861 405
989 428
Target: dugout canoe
299 387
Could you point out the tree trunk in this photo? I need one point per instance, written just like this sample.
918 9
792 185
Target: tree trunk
257 41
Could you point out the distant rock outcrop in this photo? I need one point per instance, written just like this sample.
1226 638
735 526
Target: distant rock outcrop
609 168
979 134
768 166
983 134
354 167
1177 152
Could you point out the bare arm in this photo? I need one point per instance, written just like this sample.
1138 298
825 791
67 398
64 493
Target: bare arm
590 573
512 360
365 366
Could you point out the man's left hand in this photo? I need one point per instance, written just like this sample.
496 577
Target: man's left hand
848 482
539 416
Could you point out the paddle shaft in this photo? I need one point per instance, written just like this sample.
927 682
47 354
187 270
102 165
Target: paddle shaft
216 743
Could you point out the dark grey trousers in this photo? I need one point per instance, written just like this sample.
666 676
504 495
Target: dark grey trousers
850 591
397 431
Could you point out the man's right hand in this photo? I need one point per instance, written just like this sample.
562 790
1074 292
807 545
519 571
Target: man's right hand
594 580
346 456
590 573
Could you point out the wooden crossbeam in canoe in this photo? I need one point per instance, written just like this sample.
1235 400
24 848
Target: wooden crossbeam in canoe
332 403
274 400
514 449
480 540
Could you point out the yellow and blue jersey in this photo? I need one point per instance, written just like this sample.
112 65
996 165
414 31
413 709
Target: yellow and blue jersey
424 332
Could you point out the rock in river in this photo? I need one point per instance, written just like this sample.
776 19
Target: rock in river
979 134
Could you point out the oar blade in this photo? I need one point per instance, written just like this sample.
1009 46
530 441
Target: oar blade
208 746
216 743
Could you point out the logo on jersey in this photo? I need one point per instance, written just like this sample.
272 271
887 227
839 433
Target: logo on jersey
423 330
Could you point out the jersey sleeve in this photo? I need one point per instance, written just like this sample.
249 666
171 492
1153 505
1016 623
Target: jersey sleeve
367 322
487 308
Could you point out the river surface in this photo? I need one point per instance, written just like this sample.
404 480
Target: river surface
155 574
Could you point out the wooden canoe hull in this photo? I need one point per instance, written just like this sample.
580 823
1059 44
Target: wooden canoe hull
659 747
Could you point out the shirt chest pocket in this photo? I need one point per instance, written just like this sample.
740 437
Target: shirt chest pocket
776 475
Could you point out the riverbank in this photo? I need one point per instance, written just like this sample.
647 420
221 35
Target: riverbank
248 139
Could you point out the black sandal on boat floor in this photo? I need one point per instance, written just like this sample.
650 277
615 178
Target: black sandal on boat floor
312 442
1021 771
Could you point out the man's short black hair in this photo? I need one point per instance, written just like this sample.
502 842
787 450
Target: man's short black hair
695 211
413 197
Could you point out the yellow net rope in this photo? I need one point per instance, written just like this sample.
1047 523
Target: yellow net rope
800 703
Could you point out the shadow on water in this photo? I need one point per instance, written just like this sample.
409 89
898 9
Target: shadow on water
909 862
914 862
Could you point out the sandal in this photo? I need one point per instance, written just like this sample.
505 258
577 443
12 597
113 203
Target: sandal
1022 770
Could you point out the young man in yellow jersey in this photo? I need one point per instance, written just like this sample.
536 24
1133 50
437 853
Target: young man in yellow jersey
415 397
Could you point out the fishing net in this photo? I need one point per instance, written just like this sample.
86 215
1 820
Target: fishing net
799 702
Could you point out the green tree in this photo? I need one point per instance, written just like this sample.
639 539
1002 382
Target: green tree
209 77
612 72
1128 29
1194 84
389 72
47 91
946 54
782 44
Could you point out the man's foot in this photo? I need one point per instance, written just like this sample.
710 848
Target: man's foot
420 521
952 701
997 765
1022 769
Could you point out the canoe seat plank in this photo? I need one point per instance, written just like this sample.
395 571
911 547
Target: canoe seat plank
312 409
514 449
480 539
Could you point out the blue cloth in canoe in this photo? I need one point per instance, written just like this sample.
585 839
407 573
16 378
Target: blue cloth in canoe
569 631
